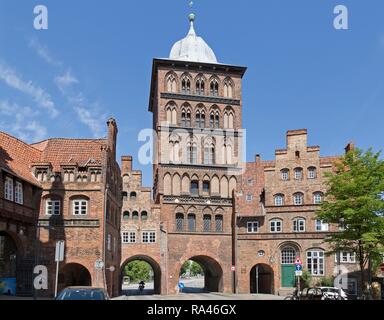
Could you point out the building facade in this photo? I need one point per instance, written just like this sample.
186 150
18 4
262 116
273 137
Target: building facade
63 190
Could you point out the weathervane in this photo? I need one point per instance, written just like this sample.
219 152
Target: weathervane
191 4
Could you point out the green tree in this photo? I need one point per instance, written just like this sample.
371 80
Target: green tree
354 200
192 267
138 270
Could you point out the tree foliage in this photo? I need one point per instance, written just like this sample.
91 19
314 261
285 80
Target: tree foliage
138 270
192 268
354 199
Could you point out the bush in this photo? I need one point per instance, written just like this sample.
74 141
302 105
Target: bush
326 282
306 280
137 271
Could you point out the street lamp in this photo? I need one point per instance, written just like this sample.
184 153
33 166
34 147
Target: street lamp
341 226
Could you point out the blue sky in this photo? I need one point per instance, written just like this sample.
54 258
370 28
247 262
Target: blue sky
95 60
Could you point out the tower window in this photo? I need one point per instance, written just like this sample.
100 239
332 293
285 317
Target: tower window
206 187
214 88
179 222
195 188
200 87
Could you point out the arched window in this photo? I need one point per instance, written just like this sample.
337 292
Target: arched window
191 222
299 225
227 151
288 255
317 197
144 215
179 222
209 152
219 223
200 86
200 118
186 117
135 215
279 200
298 199
285 174
124 195
171 83
133 196
194 188
214 87
185 84
228 119
207 222
171 113
298 174
312 173
206 187
126 215
192 151
228 88
214 120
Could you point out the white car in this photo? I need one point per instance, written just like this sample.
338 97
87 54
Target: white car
333 293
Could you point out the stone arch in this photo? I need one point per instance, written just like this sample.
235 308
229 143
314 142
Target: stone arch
261 279
154 265
213 273
74 274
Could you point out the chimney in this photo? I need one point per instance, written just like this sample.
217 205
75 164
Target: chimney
350 147
112 136
258 158
126 164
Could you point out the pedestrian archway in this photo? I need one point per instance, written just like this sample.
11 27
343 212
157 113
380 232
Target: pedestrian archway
140 268
261 279
8 264
74 275
201 274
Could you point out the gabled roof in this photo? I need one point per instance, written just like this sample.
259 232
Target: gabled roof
16 157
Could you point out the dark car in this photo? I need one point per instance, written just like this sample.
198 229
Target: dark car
83 293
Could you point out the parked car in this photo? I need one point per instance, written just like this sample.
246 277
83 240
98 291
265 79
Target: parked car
83 293
311 294
333 293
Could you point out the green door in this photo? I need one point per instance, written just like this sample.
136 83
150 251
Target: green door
288 276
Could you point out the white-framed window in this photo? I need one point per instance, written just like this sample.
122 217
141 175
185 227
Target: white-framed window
312 173
109 240
249 197
19 193
252 227
52 207
298 199
317 198
149 237
8 189
315 262
80 207
346 257
298 174
285 174
276 225
299 225
288 255
279 200
128 237
321 226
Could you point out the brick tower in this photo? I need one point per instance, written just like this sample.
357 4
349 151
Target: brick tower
197 116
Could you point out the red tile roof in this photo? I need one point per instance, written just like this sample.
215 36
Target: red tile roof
71 151
16 157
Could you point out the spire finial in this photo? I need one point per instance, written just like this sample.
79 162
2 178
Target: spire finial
191 18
